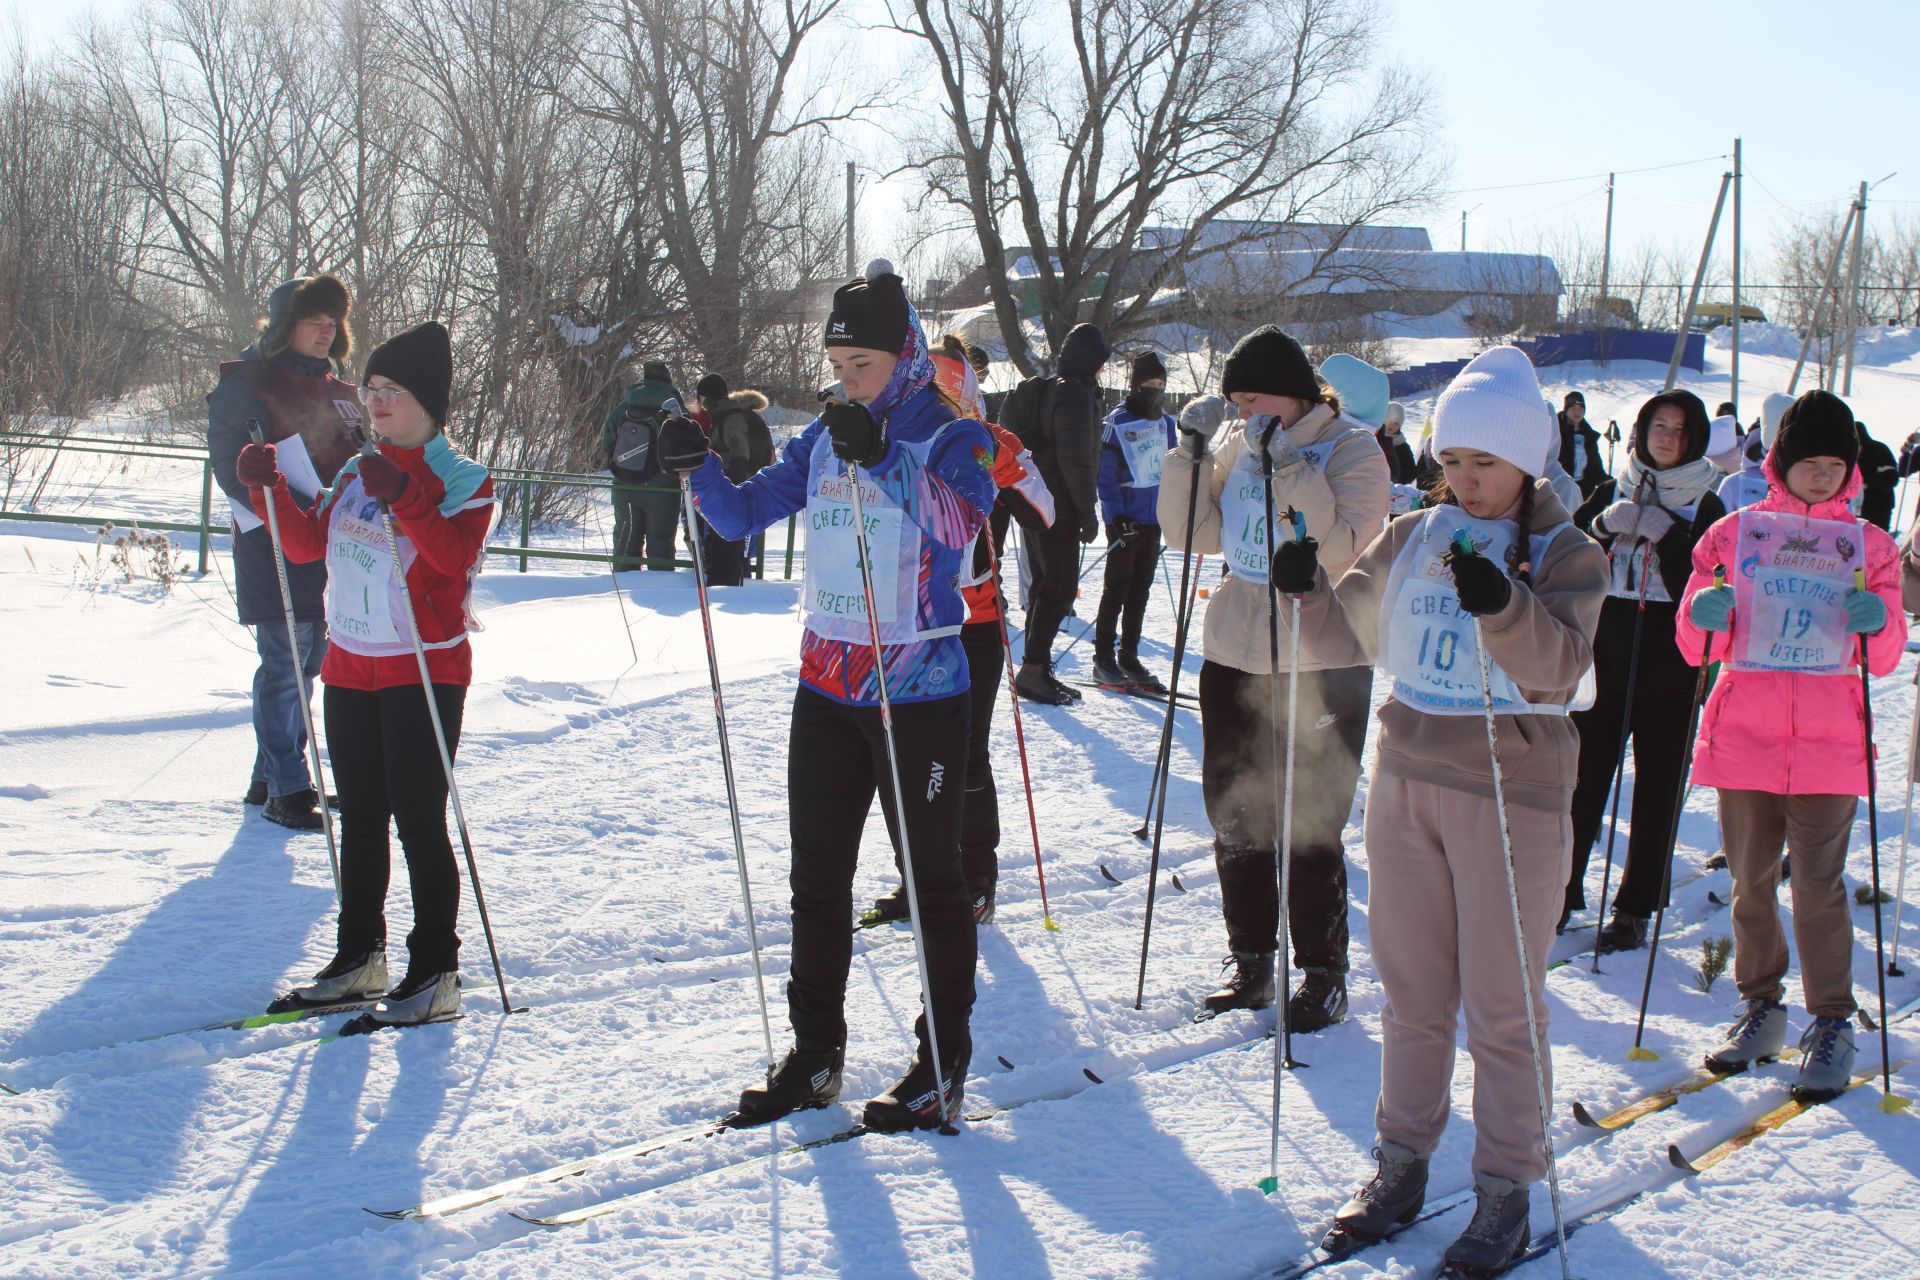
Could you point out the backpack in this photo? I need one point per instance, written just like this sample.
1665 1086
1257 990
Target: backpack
760 437
634 459
1025 414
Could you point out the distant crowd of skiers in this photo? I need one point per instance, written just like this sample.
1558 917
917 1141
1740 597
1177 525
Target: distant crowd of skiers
1529 608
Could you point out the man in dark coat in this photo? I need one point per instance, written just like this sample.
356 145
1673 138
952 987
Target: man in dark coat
1580 445
285 383
1879 479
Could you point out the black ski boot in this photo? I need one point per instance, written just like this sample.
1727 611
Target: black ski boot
806 1079
1576 900
914 1102
1141 679
1107 673
1623 933
1499 1232
1248 986
1035 683
888 907
1392 1198
1318 1002
299 810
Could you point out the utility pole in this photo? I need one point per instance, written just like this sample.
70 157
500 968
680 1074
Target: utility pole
1853 290
1463 231
1820 300
1733 390
1606 246
1699 274
853 263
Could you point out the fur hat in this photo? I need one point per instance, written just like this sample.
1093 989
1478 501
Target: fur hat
421 360
1494 405
1269 362
297 299
1817 425
870 312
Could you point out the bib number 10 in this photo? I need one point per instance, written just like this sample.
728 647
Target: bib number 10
1439 652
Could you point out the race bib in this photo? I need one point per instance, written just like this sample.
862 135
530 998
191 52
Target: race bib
1243 509
834 599
360 577
1144 446
1790 593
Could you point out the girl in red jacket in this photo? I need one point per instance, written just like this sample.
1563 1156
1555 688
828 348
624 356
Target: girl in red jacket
1781 737
386 764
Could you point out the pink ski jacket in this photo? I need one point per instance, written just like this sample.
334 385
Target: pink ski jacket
1781 731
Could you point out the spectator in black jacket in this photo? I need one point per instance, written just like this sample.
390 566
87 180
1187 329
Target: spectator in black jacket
1879 479
1401 468
1580 445
1065 441
739 435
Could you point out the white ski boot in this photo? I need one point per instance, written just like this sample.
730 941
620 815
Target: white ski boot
347 979
429 997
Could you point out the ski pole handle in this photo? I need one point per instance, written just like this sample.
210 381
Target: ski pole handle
1859 579
253 429
1462 543
1299 523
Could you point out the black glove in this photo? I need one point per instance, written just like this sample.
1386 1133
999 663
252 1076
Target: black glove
1120 529
1089 525
1482 587
856 437
1295 566
682 445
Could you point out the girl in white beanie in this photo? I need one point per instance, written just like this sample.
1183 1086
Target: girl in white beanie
1440 917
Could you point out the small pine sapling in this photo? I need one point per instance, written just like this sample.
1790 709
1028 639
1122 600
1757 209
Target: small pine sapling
1714 956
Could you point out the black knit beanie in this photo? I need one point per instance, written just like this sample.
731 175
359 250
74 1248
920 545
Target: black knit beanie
295 300
1699 428
656 371
1269 362
421 360
1817 425
1573 398
1147 367
870 312
711 387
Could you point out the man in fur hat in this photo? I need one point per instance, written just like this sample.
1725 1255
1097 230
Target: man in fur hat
286 384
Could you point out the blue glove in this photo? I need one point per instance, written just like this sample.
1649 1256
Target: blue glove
1866 613
1712 609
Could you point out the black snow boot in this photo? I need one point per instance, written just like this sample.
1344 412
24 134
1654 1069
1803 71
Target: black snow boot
1107 673
914 1101
1499 1231
1035 683
888 907
1318 1002
1623 933
1249 985
299 810
256 793
1138 676
1392 1198
806 1079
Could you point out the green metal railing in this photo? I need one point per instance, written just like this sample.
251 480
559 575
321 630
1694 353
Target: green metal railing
525 481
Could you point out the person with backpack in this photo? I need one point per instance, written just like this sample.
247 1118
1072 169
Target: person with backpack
1648 522
1326 467
740 437
646 497
380 733
1781 737
1133 445
925 490
1440 914
1058 420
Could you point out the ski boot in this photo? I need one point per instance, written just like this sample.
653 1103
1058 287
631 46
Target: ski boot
887 908
1499 1232
298 810
806 1079
1757 1037
1623 933
1392 1198
1141 679
420 998
914 1103
256 793
1576 900
347 979
1826 1060
1107 673
1318 1002
1248 986
1035 683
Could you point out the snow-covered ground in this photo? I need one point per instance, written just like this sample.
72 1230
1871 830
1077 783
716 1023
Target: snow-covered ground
137 897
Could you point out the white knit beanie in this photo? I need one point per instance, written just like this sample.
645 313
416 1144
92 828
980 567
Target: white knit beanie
1494 405
1771 411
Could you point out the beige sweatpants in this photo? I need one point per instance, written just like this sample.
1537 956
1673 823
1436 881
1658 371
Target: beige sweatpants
1441 927
1814 830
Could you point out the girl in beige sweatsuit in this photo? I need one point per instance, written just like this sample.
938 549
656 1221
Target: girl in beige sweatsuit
1330 470
1440 918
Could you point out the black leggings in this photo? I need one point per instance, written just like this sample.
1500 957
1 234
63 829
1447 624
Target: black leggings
1053 555
980 818
1659 733
1132 564
1238 776
386 767
837 760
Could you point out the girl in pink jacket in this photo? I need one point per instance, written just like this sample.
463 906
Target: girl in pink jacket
1782 735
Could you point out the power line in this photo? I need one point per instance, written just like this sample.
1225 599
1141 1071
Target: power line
1584 177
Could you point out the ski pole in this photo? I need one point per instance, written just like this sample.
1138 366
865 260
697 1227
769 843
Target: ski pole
1906 836
1888 1102
1181 616
1020 738
1639 1053
369 449
300 674
726 767
1283 1060
1626 727
899 797
1159 807
1465 546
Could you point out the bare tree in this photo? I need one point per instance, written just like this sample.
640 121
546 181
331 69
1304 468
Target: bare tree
1169 112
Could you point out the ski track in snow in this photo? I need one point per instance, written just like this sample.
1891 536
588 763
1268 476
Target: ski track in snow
137 898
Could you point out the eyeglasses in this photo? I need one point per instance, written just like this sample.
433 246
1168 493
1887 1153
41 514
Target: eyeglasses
382 395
